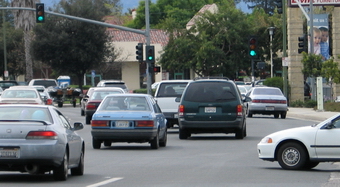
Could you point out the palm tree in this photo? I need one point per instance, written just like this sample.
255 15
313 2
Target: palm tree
25 20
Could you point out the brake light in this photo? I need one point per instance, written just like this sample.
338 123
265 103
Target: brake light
144 124
180 110
91 106
239 110
99 123
51 135
49 101
269 101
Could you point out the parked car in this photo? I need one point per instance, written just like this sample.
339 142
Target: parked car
90 103
267 101
166 93
129 118
212 106
39 139
113 83
44 82
21 95
303 147
8 83
45 95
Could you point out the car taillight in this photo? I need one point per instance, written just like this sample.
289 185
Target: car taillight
99 123
269 101
42 135
91 106
180 110
239 110
144 124
49 101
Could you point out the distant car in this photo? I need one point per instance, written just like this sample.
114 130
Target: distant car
166 93
129 118
267 101
45 95
8 83
240 83
21 95
39 139
90 102
113 83
243 89
303 147
154 85
44 82
212 106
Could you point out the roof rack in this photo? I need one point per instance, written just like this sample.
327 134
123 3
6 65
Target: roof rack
211 77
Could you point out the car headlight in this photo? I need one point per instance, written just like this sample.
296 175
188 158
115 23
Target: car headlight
267 140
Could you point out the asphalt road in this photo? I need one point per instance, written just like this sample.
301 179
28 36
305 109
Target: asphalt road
202 160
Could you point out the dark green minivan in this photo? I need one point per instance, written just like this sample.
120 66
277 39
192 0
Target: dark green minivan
212 106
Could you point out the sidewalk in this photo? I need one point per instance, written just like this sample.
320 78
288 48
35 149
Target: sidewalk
309 114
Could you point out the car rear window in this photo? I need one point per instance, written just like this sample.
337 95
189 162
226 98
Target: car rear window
210 92
119 85
171 89
28 113
19 94
45 83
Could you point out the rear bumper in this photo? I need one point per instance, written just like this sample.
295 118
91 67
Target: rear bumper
211 126
124 135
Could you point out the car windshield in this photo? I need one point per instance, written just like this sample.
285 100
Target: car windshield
267 92
124 103
210 92
19 94
171 89
26 113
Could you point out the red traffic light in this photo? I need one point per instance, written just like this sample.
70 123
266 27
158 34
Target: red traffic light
156 69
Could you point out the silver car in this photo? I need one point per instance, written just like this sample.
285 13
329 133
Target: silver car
267 101
38 139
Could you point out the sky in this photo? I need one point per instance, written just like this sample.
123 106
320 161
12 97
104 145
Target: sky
134 3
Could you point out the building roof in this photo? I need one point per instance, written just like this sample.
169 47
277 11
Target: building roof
212 8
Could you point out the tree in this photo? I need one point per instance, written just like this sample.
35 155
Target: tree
312 65
71 46
26 21
216 44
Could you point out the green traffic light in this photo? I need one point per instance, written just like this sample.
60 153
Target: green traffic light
252 53
40 18
150 57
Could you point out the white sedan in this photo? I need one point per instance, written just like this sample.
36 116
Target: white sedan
303 147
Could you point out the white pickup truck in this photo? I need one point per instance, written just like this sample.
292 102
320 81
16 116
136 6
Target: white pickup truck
166 93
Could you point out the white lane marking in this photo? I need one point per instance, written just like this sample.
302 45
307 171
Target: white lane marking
105 182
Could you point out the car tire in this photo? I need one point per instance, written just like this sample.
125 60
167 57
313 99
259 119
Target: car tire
82 112
283 115
60 173
107 143
163 141
310 165
155 142
79 170
96 143
292 156
88 119
239 134
276 115
249 114
60 104
183 134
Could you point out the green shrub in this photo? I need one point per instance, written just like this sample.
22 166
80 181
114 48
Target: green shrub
310 104
297 103
274 82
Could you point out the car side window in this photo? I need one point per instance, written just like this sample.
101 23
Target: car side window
337 123
63 120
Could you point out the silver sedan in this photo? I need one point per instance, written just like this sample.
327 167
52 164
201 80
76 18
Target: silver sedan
38 139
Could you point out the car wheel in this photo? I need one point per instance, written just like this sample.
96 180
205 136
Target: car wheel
239 134
79 170
60 173
96 143
249 114
292 156
276 115
60 104
163 141
82 112
169 125
310 165
155 142
107 143
183 134
88 119
283 115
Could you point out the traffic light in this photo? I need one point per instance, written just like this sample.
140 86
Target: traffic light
40 12
253 47
156 69
279 6
150 54
303 44
139 52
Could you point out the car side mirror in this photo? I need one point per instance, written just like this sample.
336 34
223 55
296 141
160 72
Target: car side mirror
78 126
246 99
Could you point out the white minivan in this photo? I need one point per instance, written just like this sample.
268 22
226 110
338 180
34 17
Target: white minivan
166 93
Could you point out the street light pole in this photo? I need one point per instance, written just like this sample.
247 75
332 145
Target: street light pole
271 32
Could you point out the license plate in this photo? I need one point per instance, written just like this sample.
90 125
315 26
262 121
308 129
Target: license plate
175 115
269 108
9 152
122 124
210 109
